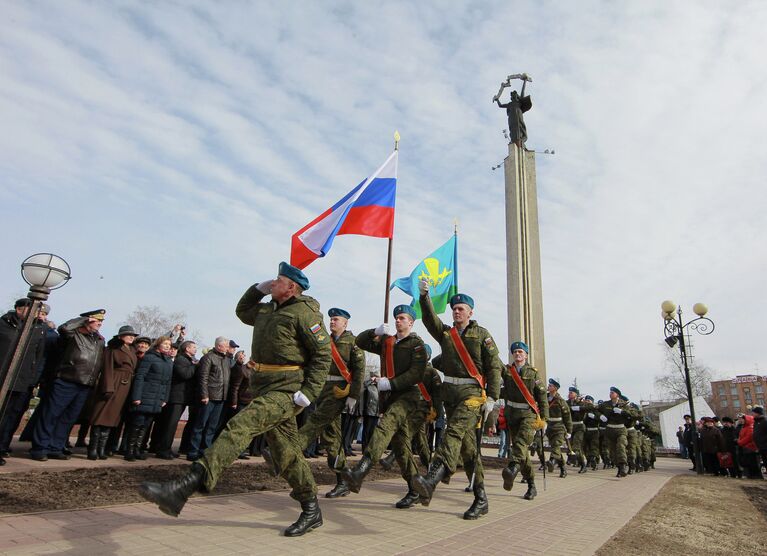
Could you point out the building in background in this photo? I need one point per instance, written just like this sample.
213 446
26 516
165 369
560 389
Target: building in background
735 395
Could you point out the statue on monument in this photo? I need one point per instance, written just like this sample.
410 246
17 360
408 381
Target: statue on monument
518 104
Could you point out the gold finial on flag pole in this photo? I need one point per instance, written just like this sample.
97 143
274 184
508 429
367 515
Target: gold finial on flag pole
396 140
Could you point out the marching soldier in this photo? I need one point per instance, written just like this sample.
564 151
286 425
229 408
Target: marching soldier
470 387
403 361
615 428
604 445
633 449
577 413
291 356
591 432
526 411
559 429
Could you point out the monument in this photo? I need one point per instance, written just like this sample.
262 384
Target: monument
523 253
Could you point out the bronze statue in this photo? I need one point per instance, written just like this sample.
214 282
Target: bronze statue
518 104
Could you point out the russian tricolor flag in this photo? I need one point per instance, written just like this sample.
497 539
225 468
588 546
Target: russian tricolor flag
367 210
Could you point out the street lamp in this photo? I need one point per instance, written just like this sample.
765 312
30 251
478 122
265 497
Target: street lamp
674 330
43 272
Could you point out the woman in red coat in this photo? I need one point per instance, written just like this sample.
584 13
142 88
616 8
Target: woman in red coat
748 458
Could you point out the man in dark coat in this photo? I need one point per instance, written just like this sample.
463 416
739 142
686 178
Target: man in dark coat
182 392
25 380
760 431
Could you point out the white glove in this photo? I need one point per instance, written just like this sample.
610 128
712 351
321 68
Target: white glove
351 403
617 410
590 415
383 383
301 400
423 287
568 436
488 407
575 408
603 418
384 329
265 287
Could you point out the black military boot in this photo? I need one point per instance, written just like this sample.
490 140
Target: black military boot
639 466
593 464
341 489
509 474
171 496
103 439
274 469
354 477
388 462
631 467
425 485
583 466
562 470
93 443
621 470
480 506
532 492
310 518
409 500
550 465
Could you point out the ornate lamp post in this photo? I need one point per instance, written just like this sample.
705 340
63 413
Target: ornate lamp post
674 330
43 272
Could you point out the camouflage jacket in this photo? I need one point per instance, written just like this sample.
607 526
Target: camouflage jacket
354 358
558 408
576 410
532 381
409 361
607 408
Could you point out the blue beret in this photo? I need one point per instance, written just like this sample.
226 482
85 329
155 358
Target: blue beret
336 312
399 309
624 398
519 345
590 398
295 274
574 389
615 389
427 348
461 298
554 382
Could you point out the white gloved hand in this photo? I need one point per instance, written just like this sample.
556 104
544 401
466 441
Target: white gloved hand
617 410
265 286
384 329
488 407
351 403
590 415
423 287
384 385
300 399
568 436
575 408
603 418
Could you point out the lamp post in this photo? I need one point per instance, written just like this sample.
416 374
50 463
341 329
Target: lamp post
674 330
43 272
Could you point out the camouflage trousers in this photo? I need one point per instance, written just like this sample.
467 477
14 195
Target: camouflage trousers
555 432
272 414
633 447
591 443
616 441
394 427
519 423
460 439
325 423
576 442
646 448
420 442
604 445
409 437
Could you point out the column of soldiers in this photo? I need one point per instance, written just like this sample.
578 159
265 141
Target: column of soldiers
297 361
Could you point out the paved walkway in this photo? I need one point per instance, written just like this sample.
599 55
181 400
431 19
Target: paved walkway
575 515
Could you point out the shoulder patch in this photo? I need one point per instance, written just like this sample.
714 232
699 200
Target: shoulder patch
315 328
489 341
321 337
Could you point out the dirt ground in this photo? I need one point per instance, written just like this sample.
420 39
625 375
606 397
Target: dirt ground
698 515
38 491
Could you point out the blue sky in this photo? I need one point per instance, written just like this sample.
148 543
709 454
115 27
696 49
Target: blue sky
173 148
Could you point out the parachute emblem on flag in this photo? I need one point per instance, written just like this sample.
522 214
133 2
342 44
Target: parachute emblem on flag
434 276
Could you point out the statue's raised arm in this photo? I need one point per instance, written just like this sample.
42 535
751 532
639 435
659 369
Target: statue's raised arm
518 104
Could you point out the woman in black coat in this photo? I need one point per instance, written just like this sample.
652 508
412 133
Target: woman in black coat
150 391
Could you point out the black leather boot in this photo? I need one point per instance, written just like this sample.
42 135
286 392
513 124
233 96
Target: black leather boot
621 470
388 462
310 518
593 464
274 469
341 489
93 443
550 465
425 486
638 465
532 492
131 449
140 451
583 466
480 506
509 474
354 477
631 467
562 470
171 496
102 442
409 500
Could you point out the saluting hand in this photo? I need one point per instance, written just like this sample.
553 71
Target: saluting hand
265 286
384 329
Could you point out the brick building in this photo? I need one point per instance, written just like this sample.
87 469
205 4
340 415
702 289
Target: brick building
734 395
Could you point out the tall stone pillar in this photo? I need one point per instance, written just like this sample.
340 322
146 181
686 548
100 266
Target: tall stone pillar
523 255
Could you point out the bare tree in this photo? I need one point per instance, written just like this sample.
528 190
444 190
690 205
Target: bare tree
672 383
152 321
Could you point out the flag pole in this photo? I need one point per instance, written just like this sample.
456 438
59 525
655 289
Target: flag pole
388 257
455 254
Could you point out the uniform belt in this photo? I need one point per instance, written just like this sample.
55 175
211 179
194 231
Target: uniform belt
615 426
555 419
334 378
592 428
631 429
518 405
267 368
577 423
455 380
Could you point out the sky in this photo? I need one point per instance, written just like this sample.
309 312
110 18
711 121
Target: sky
168 151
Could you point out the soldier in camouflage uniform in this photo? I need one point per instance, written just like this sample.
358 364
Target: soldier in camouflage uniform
591 433
404 396
577 414
604 445
633 447
337 394
291 356
467 402
614 419
559 427
521 417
